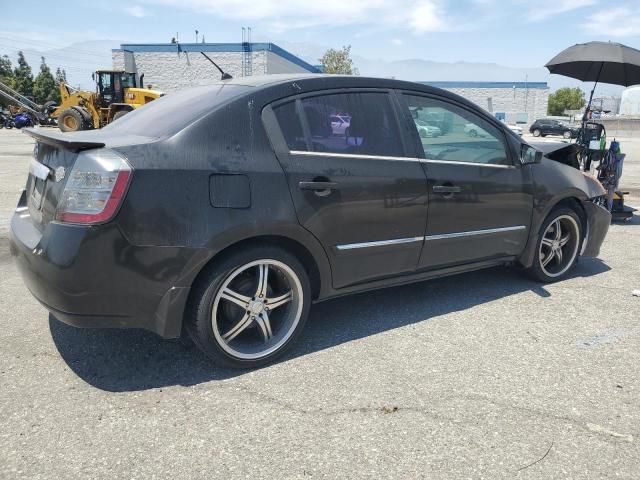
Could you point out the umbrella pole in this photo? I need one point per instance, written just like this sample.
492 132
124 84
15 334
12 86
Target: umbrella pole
588 109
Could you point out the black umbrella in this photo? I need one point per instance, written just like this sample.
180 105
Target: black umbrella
605 62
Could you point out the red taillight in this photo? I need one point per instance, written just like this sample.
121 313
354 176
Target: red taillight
95 188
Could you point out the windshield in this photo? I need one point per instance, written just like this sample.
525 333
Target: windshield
171 113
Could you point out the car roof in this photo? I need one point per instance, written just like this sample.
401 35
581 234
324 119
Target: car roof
322 81
177 110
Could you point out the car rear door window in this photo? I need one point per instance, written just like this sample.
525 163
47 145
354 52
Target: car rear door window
369 124
291 126
451 133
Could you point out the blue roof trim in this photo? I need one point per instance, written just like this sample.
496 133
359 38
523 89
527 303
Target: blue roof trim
215 47
535 85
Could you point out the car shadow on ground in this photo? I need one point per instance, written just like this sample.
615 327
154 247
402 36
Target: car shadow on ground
131 360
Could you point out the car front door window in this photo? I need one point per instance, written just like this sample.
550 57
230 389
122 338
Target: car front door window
458 135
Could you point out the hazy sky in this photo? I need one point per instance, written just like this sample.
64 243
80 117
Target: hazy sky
519 33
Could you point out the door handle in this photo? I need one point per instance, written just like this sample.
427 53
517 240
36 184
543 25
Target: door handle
318 186
446 189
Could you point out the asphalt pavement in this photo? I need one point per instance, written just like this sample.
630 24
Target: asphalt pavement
482 375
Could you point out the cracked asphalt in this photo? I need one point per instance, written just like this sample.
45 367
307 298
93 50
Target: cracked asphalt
483 375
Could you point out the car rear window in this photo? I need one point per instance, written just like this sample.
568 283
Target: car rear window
174 111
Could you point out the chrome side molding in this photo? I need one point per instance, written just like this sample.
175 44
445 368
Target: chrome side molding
381 243
398 241
475 232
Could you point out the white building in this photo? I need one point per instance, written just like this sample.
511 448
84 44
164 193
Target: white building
513 102
172 66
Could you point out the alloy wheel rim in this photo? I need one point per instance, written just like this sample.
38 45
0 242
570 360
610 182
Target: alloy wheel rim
559 246
257 309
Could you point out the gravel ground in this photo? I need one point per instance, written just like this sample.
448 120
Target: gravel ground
483 375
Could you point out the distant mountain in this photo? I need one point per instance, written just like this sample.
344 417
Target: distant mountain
427 70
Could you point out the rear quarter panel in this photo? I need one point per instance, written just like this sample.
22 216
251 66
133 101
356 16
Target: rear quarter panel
169 201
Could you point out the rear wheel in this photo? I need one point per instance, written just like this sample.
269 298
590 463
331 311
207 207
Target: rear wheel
558 245
71 120
250 308
536 133
473 133
567 134
119 114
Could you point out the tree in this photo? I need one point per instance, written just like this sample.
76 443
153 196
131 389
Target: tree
6 77
44 86
6 70
566 99
23 77
61 75
338 61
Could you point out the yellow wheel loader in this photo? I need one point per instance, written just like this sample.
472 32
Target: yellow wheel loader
116 94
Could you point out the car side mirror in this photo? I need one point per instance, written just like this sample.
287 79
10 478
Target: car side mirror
529 155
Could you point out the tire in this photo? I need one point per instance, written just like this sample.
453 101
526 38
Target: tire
244 330
119 114
548 266
473 133
536 133
49 107
567 134
423 134
71 120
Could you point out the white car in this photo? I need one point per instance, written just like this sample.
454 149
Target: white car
474 130
339 124
426 130
515 129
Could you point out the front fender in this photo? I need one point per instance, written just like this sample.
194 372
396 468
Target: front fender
555 183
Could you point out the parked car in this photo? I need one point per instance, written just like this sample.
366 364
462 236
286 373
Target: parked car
425 130
517 129
473 130
339 124
545 126
231 222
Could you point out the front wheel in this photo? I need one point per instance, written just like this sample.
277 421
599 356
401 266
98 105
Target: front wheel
558 245
71 120
249 309
536 133
567 134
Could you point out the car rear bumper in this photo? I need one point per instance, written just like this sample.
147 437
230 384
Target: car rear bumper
93 277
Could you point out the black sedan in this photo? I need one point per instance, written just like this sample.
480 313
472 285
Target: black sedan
550 126
225 211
